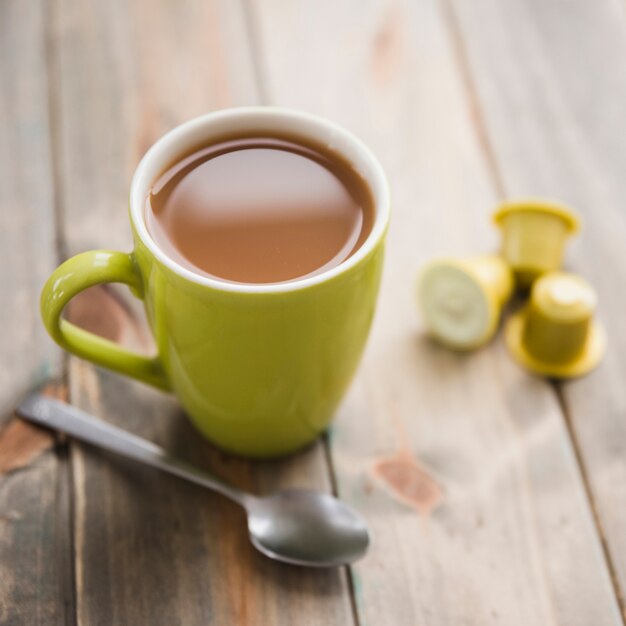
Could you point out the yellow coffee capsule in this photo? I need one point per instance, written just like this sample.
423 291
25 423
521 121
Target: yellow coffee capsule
555 334
461 299
534 233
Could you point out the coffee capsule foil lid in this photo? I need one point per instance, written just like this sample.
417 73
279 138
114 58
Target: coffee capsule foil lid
461 299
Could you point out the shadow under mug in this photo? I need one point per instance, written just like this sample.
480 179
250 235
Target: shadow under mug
260 369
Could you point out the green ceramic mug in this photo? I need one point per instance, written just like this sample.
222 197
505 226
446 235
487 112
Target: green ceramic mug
260 369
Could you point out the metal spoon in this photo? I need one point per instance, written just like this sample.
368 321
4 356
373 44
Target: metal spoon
295 526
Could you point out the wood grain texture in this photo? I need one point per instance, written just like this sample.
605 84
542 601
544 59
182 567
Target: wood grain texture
507 543
552 99
36 584
35 542
151 549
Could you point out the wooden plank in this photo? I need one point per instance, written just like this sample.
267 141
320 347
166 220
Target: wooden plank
561 137
151 549
27 225
35 568
507 543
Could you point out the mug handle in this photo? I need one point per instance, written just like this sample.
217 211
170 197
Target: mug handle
76 274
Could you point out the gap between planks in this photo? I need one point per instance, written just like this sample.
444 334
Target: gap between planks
558 390
332 474
486 147
62 450
51 64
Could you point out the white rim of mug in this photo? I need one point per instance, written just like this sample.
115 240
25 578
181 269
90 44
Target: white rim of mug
144 176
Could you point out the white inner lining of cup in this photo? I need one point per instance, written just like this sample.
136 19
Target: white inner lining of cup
202 130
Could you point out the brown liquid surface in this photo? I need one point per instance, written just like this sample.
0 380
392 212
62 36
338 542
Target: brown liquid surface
259 210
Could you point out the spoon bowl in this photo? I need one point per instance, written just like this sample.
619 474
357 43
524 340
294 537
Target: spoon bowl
305 527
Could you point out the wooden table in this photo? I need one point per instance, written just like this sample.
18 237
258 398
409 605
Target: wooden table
465 102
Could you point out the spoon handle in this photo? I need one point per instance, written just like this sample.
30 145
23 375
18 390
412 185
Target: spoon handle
68 419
